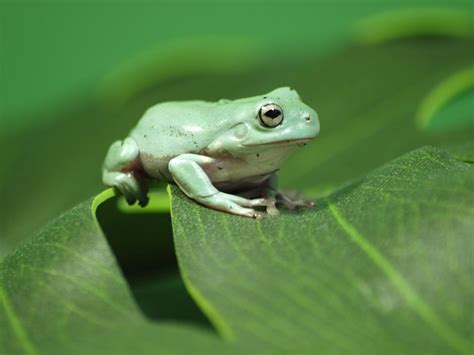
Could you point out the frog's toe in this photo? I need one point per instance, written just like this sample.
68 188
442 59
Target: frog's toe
302 203
249 212
242 201
293 204
257 215
260 202
272 210
128 196
270 204
127 191
129 186
231 204
143 200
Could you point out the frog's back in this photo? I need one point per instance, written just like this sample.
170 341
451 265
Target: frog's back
169 129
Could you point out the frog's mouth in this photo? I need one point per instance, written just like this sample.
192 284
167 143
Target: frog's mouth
298 141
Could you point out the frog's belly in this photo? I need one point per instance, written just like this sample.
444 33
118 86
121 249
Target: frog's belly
238 174
226 174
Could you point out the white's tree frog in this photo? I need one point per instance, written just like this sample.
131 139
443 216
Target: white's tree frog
222 154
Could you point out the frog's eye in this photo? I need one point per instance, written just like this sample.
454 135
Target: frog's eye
271 115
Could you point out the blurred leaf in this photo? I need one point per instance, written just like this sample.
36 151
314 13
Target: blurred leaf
410 22
379 267
450 105
177 59
366 97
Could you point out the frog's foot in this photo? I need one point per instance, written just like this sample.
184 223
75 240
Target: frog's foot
271 206
233 204
121 169
281 199
269 201
132 187
293 200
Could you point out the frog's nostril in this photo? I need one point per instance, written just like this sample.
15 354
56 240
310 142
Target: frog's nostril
307 117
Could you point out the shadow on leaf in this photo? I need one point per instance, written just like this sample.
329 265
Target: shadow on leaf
143 246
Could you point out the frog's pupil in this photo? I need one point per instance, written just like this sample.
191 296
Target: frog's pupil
273 113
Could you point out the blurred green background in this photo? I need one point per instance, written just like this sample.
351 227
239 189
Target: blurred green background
386 77
58 53
77 75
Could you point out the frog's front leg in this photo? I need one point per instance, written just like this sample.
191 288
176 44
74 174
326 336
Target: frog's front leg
189 175
121 170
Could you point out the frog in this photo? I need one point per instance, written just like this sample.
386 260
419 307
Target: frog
224 155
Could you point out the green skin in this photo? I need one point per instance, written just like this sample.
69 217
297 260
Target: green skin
223 154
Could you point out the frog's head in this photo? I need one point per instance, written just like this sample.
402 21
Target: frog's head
280 117
277 119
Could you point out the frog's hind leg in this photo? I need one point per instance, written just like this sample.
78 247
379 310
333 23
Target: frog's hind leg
273 197
290 199
122 170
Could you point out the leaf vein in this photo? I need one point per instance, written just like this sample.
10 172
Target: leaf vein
410 295
16 324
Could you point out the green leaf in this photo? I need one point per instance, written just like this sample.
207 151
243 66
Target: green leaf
381 266
63 293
